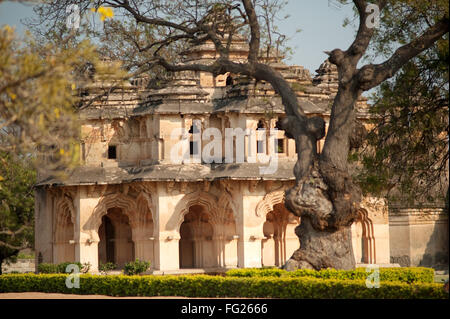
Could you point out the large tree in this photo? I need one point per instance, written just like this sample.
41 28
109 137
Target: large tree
325 195
406 157
17 178
37 85
37 121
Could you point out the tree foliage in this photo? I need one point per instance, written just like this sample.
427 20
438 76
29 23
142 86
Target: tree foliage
407 153
17 179
408 150
39 95
38 125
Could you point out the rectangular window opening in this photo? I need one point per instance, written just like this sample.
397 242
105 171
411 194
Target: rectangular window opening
112 152
260 147
193 148
280 146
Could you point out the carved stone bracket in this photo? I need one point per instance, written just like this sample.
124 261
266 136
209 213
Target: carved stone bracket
252 185
169 186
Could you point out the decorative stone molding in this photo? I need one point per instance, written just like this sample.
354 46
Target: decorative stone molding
64 205
225 204
147 187
268 186
206 186
271 199
139 211
64 217
169 187
117 200
183 187
228 186
376 209
252 185
368 236
195 198
416 216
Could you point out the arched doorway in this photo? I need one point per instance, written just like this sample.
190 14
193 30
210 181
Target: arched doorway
116 244
363 239
196 247
64 245
279 240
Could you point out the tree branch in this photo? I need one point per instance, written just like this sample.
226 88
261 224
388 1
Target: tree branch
154 21
25 245
372 75
13 233
254 30
364 34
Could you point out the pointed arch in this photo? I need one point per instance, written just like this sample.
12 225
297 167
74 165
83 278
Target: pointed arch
63 228
64 216
271 199
144 210
225 204
196 198
368 237
118 200
64 207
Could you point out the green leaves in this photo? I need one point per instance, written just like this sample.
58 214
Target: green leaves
136 267
407 150
218 286
16 204
406 275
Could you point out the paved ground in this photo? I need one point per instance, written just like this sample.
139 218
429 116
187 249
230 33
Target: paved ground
440 278
42 295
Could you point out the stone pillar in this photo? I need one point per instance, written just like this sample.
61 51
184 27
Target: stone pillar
43 226
166 233
143 243
219 250
268 250
86 236
230 252
86 250
382 245
292 240
143 249
167 252
252 253
250 229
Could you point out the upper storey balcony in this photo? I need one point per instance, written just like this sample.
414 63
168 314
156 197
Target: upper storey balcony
196 116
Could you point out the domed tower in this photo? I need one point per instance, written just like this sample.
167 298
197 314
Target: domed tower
326 78
206 53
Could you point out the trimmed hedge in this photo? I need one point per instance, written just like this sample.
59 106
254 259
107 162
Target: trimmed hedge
218 286
45 268
406 275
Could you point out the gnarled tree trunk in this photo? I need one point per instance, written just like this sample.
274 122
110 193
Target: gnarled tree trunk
325 197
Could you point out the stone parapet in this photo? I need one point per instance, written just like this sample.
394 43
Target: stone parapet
21 265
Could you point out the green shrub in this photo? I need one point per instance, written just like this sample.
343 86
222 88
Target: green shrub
136 267
256 272
45 268
218 286
406 275
107 267
25 256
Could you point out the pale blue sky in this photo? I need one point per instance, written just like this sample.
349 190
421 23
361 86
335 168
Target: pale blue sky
320 22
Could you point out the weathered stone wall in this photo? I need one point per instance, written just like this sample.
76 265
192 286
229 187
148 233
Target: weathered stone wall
419 237
22 266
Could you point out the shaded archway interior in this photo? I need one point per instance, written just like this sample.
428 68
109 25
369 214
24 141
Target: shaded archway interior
116 244
279 240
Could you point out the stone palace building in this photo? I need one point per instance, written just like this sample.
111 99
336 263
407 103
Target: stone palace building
131 199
